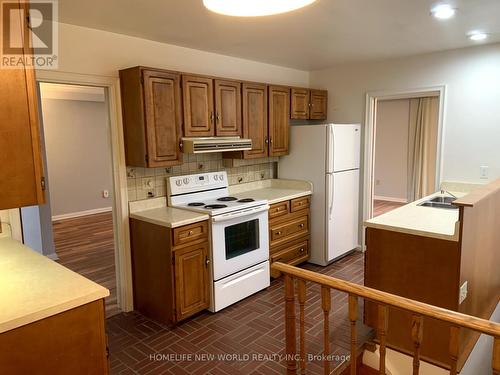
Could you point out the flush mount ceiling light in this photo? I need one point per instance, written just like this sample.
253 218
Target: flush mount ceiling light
478 36
254 8
443 11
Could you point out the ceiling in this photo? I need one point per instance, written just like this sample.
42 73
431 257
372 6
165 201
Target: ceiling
315 37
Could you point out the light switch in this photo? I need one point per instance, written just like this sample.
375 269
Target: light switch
105 193
484 172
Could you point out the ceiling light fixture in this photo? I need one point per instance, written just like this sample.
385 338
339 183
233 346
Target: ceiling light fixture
254 8
443 11
478 36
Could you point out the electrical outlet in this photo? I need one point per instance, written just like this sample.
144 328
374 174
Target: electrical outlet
463 293
105 193
147 184
483 172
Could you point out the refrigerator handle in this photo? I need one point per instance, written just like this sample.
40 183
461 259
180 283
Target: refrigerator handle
332 189
331 145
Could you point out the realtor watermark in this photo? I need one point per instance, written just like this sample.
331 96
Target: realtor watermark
243 357
29 34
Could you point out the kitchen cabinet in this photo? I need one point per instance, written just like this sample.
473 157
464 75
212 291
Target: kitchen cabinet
198 99
255 119
289 232
227 108
170 270
151 104
21 174
308 104
279 115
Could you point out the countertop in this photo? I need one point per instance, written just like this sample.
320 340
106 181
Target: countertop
33 287
156 211
422 221
274 190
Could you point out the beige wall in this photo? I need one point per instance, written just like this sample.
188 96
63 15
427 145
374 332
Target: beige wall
78 155
472 113
391 149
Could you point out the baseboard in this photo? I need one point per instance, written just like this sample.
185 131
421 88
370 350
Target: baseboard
52 256
81 213
389 199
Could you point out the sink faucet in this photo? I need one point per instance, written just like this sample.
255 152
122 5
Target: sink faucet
443 192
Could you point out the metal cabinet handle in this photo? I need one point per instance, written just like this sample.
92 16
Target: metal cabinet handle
207 261
301 225
211 117
266 141
278 233
301 250
190 233
270 140
218 118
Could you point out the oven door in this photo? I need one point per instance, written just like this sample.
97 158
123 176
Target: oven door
239 240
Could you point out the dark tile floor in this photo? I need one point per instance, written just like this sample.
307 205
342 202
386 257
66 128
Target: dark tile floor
245 338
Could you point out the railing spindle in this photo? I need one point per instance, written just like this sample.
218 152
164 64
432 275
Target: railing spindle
383 316
496 356
353 317
291 345
416 335
454 347
301 284
326 306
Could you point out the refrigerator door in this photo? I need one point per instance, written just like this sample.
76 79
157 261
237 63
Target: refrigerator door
342 213
344 147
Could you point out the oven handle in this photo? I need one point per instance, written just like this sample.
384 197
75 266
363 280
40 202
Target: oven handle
233 215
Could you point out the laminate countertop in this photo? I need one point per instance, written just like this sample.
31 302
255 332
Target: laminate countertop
33 287
274 190
156 211
421 221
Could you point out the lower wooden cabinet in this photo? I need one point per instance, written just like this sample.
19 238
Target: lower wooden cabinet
289 232
170 270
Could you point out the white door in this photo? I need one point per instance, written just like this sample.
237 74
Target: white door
343 222
346 147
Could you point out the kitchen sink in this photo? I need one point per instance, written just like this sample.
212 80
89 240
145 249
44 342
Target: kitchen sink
436 204
446 200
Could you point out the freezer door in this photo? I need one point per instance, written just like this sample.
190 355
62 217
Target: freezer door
346 147
342 211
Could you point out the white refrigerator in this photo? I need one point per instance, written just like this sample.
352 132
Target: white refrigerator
328 155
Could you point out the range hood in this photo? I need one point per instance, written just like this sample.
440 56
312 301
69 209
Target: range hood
199 145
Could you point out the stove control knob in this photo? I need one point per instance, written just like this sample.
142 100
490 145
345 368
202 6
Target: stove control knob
216 177
186 181
221 177
178 182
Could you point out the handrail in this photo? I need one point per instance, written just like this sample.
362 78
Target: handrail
418 310
463 320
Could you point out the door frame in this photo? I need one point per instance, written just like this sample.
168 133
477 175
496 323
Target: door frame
121 228
372 99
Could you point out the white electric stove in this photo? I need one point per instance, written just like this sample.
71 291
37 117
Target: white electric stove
239 234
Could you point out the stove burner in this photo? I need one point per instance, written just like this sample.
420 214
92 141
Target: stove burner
227 199
246 200
196 204
215 206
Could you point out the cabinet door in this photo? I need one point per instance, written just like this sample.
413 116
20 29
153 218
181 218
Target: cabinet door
198 106
255 119
227 108
191 280
319 101
162 97
21 171
299 104
279 116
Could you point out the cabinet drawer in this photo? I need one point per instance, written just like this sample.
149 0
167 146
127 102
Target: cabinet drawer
289 230
293 254
299 204
189 233
279 209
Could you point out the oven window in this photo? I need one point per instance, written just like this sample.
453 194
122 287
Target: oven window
241 238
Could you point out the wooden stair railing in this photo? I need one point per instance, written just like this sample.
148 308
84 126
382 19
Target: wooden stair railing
419 311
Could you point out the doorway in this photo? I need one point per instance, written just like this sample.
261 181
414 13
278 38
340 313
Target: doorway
403 142
76 225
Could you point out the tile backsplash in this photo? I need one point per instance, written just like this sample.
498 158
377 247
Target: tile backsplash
145 183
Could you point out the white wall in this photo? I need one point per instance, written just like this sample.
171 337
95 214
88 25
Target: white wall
391 149
472 110
78 155
90 51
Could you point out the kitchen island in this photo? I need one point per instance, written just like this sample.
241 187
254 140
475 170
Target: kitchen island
443 257
51 318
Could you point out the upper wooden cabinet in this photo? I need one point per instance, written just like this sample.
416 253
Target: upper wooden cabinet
279 115
151 104
227 108
199 117
255 119
308 104
22 179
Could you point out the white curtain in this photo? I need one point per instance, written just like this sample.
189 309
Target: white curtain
422 147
